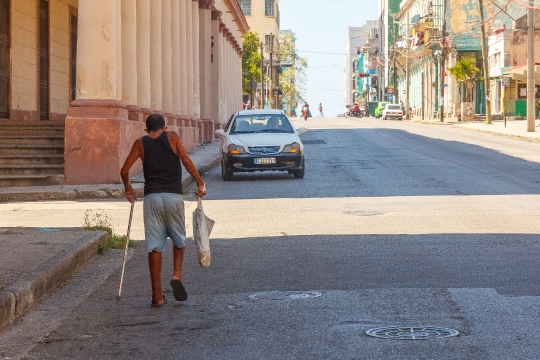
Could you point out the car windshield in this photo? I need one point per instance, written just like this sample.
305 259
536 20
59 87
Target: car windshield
261 123
393 107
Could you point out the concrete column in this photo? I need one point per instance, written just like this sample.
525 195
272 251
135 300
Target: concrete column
143 54
175 56
230 69
182 56
97 55
166 56
189 58
156 82
118 23
129 57
205 48
215 81
92 155
196 64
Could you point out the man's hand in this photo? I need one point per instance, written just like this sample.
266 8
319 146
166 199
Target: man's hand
200 191
130 194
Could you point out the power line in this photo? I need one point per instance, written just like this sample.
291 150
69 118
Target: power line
322 52
316 67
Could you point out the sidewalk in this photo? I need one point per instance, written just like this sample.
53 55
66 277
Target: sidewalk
35 261
513 128
204 157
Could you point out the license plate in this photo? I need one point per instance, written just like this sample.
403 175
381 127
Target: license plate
265 161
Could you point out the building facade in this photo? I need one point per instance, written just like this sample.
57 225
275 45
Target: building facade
357 37
102 66
263 19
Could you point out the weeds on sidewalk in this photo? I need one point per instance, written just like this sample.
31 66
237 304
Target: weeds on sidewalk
99 220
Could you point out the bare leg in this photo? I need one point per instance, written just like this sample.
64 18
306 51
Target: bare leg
178 261
154 264
178 288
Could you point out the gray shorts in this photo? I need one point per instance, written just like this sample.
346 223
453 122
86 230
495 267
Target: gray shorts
164 216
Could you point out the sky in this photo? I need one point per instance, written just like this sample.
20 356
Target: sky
321 27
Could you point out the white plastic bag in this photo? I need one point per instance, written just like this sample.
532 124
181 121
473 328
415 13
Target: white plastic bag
202 227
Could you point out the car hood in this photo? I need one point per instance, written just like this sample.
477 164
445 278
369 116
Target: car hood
263 139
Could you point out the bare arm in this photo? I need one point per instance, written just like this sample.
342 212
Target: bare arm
137 151
179 149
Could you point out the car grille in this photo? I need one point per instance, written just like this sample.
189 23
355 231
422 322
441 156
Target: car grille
265 150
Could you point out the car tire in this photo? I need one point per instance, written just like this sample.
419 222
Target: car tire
299 174
226 172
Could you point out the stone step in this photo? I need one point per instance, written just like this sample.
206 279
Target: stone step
30 180
34 130
31 149
31 159
32 139
32 169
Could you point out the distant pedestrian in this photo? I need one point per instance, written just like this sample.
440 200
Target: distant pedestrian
320 110
538 108
248 106
161 152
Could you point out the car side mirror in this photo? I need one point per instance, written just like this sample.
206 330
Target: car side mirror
302 130
220 132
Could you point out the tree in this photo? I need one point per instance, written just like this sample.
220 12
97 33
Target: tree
464 71
293 77
251 60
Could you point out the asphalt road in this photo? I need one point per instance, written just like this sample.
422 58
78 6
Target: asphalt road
395 224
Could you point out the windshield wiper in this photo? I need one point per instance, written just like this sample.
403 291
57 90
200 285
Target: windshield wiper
244 132
275 130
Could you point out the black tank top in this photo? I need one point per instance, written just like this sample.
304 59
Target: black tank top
161 166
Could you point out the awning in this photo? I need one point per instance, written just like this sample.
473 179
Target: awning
519 73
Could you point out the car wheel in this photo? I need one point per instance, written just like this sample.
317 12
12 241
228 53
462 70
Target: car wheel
226 172
299 174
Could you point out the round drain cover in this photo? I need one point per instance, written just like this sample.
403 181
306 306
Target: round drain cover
285 295
412 332
363 213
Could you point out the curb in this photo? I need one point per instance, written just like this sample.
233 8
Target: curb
20 297
106 192
201 170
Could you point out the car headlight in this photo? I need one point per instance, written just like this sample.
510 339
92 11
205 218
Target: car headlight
292 148
236 149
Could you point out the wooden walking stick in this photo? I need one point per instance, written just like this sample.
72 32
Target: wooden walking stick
125 251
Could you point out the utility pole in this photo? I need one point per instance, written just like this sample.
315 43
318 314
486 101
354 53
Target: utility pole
530 68
443 62
271 87
261 95
486 62
394 92
407 75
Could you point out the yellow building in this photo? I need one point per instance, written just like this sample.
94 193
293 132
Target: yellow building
263 19
78 77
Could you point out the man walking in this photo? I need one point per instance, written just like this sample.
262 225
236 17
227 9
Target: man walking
320 110
161 152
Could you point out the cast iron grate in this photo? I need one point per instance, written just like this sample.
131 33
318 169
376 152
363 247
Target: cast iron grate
313 142
412 332
284 295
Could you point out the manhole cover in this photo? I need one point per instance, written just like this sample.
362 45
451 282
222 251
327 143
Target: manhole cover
285 295
363 213
412 332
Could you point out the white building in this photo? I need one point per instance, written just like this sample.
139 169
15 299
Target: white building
356 39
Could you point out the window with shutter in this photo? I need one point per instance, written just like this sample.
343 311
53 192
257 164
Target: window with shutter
73 57
245 5
269 7
43 59
4 59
